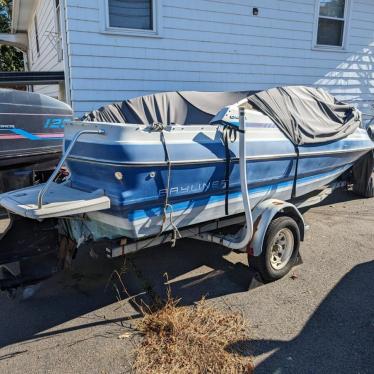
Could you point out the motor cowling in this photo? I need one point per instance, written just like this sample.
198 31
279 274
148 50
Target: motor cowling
370 131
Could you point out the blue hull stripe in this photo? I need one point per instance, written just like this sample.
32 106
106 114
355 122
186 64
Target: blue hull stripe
156 211
25 134
30 136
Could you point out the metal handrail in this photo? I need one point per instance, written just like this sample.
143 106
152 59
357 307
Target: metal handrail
243 237
63 158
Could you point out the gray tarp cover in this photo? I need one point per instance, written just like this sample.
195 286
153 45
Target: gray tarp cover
181 107
305 115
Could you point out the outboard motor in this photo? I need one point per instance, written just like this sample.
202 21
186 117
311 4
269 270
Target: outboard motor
31 133
31 136
370 131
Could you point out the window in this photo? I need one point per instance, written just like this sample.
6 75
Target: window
132 17
131 14
36 36
332 19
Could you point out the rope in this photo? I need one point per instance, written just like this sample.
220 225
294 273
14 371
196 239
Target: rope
229 134
176 233
159 127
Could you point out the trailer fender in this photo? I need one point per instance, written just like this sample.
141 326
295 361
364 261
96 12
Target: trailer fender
262 216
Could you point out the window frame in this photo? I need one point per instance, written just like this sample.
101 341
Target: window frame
30 50
36 32
346 20
58 29
156 24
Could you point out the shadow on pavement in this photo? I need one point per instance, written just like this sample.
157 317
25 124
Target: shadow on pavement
57 300
199 270
339 196
338 338
195 269
192 270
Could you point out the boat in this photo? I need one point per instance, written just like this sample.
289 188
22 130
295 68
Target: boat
31 134
144 171
147 169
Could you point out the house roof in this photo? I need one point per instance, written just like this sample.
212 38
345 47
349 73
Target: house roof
16 40
22 11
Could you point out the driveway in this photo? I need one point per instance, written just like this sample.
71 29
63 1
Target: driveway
320 319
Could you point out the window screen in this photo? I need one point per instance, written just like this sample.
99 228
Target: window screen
331 22
131 14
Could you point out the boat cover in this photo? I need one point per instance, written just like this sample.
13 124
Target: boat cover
307 115
304 114
180 107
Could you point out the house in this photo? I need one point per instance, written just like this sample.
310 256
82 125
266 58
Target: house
110 50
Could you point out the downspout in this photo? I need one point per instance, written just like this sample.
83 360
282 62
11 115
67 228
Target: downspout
246 233
65 46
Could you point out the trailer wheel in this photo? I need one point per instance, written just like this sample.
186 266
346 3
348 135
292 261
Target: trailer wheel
280 249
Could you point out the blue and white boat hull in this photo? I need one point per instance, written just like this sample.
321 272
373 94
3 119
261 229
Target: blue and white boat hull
132 164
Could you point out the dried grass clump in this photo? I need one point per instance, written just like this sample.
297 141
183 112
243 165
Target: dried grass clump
190 340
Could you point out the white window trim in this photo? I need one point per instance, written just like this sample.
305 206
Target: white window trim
347 17
32 58
36 35
156 22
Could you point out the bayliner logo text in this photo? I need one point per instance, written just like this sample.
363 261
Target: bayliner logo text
193 188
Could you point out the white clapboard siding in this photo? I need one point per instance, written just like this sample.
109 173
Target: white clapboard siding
47 60
214 45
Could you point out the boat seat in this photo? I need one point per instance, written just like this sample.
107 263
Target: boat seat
59 200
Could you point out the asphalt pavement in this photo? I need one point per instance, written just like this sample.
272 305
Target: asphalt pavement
318 319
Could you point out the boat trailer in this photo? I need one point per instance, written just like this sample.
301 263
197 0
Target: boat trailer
270 233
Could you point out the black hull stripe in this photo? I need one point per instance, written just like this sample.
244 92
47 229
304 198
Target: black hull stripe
214 161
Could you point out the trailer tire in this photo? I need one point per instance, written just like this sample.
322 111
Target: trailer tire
363 176
280 249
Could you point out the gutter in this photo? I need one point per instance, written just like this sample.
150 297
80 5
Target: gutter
31 77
